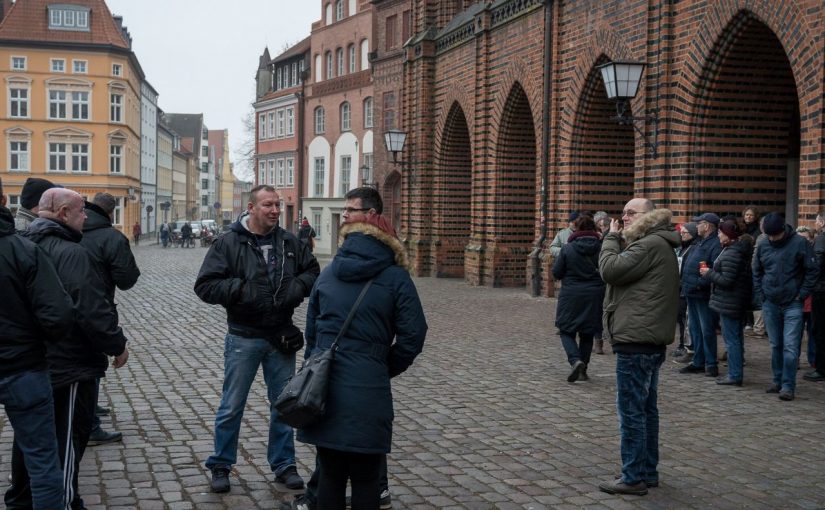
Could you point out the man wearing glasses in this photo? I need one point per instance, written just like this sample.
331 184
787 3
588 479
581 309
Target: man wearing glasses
638 264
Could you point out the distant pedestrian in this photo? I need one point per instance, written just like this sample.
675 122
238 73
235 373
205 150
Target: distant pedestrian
306 234
33 189
689 234
136 232
186 235
164 234
638 263
818 305
561 237
579 305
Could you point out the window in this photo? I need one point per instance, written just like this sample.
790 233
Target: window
79 66
281 172
345 117
367 168
351 52
290 121
271 164
319 177
351 7
278 79
295 73
389 34
339 10
290 172
19 103
58 65
80 157
18 63
115 153
204 168
261 126
57 157
57 104
261 172
271 132
69 17
205 184
318 67
281 123
389 111
205 151
405 26
116 110
328 10
339 57
205 200
368 112
319 120
205 133
329 65
365 54
19 156
316 220
14 204
346 174
80 105
117 70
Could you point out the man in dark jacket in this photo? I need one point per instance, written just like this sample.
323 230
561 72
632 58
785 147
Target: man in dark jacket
641 302
306 234
818 304
36 309
33 189
701 319
113 255
76 362
784 275
260 273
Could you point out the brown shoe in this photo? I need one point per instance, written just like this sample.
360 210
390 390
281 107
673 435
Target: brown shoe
598 347
619 487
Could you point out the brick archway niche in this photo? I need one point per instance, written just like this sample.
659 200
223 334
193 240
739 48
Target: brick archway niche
391 195
602 155
747 126
452 196
513 217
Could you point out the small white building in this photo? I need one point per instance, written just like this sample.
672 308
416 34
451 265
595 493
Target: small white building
148 157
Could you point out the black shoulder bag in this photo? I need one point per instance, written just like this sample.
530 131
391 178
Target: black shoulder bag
303 400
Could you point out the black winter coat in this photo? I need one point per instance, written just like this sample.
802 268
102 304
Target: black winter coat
819 253
111 251
732 283
386 334
784 270
703 249
234 275
95 334
36 307
579 306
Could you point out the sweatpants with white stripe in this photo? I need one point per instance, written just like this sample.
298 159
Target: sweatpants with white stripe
74 407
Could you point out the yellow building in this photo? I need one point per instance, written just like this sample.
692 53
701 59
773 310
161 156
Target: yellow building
71 106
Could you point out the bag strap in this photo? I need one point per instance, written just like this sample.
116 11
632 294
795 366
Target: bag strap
344 328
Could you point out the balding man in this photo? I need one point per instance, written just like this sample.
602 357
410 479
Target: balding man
641 302
76 362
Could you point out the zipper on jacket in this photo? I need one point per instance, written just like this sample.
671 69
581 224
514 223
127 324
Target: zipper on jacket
283 265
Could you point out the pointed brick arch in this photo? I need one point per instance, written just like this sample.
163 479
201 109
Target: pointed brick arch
516 74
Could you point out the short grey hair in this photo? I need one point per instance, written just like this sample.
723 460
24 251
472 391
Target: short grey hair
105 201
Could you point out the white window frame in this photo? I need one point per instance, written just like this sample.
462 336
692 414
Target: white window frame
23 156
281 123
290 172
80 157
281 165
15 59
345 170
320 120
368 113
117 70
351 54
346 116
261 172
60 152
319 68
59 99
339 59
117 215
21 102
115 158
365 54
339 10
319 172
290 122
270 167
368 164
262 126
79 102
330 65
270 131
116 107
328 12
80 67
53 65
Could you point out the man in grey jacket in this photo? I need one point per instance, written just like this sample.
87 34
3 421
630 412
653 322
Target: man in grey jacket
638 264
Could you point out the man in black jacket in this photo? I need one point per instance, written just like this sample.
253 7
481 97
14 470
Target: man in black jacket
260 273
111 251
76 362
36 309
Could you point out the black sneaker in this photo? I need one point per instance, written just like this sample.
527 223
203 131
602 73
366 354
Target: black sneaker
576 371
289 479
691 369
619 487
786 395
100 436
814 376
220 480
712 371
102 411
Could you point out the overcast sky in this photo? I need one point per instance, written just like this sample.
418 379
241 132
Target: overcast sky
201 55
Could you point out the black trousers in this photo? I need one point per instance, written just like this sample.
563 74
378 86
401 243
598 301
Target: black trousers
74 407
818 315
363 472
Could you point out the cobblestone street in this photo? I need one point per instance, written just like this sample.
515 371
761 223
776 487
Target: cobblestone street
484 419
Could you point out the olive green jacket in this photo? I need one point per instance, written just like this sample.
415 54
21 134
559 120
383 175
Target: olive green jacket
641 301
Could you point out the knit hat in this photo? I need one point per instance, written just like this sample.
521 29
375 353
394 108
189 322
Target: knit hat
773 224
691 227
730 229
573 217
33 189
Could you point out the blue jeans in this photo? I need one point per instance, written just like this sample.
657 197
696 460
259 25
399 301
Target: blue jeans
784 327
732 332
702 332
27 397
577 351
242 357
637 379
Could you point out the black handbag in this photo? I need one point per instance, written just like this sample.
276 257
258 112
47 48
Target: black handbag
303 400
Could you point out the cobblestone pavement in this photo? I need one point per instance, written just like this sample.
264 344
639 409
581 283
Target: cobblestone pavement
484 419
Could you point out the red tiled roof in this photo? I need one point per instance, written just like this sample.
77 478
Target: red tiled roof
27 20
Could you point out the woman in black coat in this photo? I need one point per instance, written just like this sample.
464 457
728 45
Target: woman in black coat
579 307
386 334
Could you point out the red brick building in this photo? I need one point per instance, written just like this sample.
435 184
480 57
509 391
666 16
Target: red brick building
509 126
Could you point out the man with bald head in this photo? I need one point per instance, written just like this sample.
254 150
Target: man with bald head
76 361
638 264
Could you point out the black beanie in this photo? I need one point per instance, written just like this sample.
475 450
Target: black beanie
33 189
773 224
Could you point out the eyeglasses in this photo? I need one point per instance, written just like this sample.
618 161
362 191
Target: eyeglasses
351 210
629 212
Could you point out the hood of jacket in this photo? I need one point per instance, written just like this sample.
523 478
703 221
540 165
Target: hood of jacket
365 251
586 245
43 227
241 226
96 218
655 222
789 233
6 222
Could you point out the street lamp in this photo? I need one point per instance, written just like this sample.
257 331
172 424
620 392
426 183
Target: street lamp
394 139
621 82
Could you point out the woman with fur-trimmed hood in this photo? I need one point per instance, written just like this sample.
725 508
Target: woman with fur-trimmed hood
386 334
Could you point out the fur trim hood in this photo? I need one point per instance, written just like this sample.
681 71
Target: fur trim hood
657 219
367 229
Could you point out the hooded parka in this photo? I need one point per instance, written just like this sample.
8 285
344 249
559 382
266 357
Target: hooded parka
110 249
386 334
732 282
579 306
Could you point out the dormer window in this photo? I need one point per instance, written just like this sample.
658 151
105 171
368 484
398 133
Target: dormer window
69 17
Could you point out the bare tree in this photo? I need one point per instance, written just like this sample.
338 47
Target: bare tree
245 154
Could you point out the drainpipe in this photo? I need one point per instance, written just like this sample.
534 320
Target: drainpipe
299 160
535 256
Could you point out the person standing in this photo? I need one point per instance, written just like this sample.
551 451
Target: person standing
306 234
76 362
561 237
701 321
164 234
33 189
386 334
579 306
785 272
638 264
111 251
260 273
818 304
36 309
186 235
688 234
136 231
